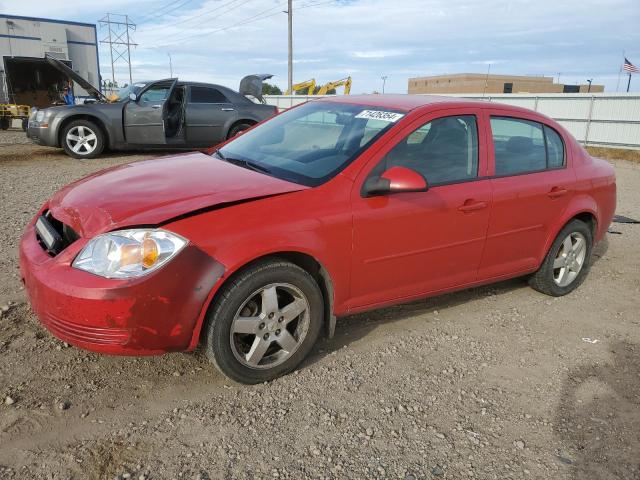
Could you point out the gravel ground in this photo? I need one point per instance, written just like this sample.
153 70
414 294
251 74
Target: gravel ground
490 383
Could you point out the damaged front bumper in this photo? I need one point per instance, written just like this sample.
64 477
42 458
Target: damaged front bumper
154 314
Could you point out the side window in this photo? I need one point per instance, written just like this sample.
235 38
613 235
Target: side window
444 150
157 93
207 95
519 146
555 148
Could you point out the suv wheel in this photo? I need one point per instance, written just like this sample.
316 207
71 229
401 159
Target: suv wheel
264 322
567 263
82 139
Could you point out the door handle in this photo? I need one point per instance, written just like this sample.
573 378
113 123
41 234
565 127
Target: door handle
557 192
155 107
227 109
472 206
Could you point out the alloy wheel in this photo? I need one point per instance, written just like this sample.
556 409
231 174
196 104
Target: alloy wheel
81 140
570 259
270 326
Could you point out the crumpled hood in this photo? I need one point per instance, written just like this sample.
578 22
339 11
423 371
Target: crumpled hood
153 191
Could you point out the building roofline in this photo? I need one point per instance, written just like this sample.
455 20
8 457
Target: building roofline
480 75
48 20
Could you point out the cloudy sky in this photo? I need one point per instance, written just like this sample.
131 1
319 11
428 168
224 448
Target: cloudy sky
219 41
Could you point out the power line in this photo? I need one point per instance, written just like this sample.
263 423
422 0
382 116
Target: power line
159 12
200 16
252 19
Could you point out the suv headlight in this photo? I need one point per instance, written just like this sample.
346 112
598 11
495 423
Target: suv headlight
129 253
39 115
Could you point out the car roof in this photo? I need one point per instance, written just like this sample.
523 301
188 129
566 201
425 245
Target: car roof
408 102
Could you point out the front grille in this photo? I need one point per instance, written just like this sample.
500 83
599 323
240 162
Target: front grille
83 333
65 235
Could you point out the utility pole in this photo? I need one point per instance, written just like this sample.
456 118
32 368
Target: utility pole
486 79
384 80
290 22
170 66
119 40
589 80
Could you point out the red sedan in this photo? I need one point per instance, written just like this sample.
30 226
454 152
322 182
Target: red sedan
337 206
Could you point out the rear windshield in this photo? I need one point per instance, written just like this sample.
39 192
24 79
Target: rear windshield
312 143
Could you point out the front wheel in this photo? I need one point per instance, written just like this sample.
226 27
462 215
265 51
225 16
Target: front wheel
82 139
264 322
567 263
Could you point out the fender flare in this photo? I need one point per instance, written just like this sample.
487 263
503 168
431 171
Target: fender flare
327 286
580 204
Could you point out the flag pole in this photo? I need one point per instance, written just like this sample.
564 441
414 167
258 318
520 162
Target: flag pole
629 82
620 71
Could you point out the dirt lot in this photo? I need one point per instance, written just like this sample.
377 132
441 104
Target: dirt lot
491 383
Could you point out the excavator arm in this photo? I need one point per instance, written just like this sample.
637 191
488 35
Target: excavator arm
310 85
345 82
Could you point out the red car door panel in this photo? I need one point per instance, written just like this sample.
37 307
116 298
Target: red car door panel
409 244
525 207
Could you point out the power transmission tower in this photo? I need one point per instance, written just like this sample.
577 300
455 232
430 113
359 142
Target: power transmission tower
119 29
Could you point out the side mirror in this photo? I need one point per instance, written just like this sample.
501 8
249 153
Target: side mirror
133 97
395 180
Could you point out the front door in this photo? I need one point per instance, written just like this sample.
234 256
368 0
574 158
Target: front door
208 112
144 118
410 244
531 188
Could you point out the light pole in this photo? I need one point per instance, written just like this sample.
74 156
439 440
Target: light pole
384 81
290 62
589 80
170 66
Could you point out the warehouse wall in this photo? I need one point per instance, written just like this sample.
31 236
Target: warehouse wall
600 119
33 37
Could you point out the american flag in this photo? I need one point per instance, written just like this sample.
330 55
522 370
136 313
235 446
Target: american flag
630 67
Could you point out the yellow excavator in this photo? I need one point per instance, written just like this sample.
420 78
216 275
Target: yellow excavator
309 85
344 82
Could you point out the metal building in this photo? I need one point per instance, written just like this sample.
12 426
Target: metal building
25 77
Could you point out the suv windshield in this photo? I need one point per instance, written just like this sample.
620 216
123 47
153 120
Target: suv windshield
310 144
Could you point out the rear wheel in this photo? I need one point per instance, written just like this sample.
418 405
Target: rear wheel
240 127
82 139
567 263
5 123
264 322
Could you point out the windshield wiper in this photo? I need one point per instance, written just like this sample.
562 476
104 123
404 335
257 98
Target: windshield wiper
243 163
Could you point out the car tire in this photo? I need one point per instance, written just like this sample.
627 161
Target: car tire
567 262
236 129
247 336
82 139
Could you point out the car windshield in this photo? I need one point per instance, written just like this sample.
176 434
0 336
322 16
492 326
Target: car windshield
312 143
123 94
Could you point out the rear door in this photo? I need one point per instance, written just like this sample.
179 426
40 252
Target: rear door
531 187
144 118
208 111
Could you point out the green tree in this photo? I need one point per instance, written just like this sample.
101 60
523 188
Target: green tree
269 89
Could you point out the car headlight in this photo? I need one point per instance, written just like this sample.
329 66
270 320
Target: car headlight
129 253
39 115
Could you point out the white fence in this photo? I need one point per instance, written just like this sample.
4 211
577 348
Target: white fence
599 119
